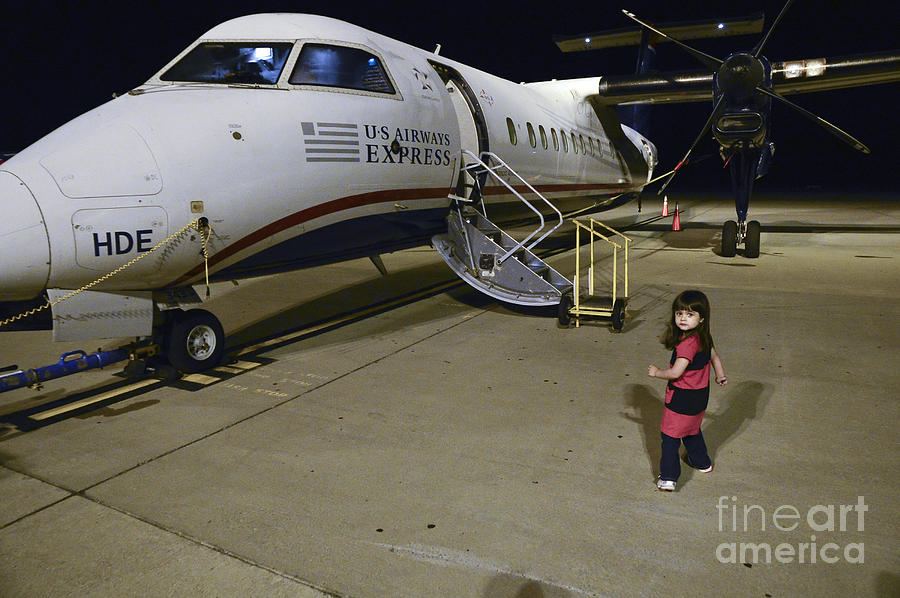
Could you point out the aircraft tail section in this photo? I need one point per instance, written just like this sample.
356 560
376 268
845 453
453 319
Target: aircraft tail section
638 116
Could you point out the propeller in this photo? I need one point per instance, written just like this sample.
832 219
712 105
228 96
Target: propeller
758 49
709 61
834 130
740 78
687 154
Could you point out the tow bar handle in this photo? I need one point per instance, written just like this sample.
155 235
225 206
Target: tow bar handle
69 363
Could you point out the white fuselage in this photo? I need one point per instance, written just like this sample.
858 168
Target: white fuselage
287 174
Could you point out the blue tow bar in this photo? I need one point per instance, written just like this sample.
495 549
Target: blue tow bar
69 363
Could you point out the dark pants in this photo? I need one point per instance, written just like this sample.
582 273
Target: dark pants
670 465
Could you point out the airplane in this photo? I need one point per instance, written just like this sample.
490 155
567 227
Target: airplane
282 141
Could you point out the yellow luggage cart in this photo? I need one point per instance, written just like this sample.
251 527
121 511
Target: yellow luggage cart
576 305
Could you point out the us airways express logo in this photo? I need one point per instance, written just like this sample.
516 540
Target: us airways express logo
390 145
342 142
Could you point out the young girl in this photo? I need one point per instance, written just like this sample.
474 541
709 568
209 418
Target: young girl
687 393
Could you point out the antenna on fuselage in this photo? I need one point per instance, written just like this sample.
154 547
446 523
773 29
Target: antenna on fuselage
437 49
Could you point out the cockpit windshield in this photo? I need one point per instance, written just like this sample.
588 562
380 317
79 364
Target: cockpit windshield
231 62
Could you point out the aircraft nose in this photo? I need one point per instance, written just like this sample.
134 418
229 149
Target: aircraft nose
24 245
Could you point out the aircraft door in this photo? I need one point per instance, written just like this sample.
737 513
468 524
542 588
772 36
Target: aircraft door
473 134
468 135
468 139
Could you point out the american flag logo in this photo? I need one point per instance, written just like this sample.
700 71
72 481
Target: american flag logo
331 142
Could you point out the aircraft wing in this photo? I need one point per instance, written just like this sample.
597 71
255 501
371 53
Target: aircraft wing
788 77
682 31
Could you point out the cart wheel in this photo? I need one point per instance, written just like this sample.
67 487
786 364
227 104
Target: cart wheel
618 315
565 304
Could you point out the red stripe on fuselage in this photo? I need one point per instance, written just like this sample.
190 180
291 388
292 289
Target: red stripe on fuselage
365 199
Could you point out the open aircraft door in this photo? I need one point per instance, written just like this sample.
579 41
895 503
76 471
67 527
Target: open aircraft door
473 131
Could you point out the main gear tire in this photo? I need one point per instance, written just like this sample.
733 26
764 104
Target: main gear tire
729 238
751 243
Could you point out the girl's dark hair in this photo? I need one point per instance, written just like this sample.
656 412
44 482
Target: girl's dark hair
690 300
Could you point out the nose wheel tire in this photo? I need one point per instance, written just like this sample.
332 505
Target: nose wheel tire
195 341
729 238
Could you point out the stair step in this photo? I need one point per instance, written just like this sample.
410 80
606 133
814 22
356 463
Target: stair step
522 256
539 269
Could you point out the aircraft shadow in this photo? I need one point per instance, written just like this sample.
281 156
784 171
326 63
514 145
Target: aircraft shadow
355 302
395 289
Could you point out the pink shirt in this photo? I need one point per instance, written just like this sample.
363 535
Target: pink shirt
695 378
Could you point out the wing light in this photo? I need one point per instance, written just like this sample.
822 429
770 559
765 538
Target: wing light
804 68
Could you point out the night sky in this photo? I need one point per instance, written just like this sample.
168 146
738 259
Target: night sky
64 58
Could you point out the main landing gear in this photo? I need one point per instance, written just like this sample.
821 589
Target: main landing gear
745 168
734 234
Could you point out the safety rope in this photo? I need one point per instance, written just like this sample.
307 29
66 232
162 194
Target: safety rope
204 229
200 224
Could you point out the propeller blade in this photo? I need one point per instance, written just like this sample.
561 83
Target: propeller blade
710 62
837 132
758 49
684 160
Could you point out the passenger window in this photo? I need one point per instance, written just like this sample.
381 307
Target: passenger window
543 136
531 138
582 144
555 139
574 143
591 141
511 127
231 63
565 142
340 66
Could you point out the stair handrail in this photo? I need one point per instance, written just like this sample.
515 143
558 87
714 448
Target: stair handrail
492 170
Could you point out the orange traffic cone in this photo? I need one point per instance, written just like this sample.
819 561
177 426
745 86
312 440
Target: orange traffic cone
665 211
676 222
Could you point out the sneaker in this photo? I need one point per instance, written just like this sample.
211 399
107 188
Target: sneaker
703 470
667 485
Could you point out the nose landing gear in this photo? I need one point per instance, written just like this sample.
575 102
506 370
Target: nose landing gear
193 340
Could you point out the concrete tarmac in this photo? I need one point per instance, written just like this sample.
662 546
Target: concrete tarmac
448 445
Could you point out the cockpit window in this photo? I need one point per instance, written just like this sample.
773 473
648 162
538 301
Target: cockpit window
340 66
231 62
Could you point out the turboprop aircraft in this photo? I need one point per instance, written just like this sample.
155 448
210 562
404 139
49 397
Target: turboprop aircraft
282 141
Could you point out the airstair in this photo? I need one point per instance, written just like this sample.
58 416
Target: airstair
488 258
